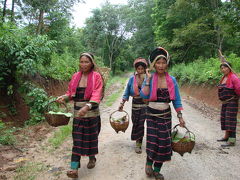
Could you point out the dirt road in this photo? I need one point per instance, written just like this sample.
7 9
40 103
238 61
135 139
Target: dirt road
118 161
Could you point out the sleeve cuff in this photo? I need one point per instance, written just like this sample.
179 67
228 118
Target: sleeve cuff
179 109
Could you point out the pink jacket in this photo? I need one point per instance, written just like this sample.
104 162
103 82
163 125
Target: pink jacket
94 88
233 82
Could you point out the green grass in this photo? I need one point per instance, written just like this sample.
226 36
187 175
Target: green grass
112 98
109 100
6 134
60 136
29 171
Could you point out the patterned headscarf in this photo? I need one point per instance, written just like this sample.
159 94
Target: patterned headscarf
158 53
140 60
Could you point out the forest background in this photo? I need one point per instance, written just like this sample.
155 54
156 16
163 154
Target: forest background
37 39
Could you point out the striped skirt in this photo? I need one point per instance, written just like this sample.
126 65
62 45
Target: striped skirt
229 116
138 118
159 125
229 108
85 131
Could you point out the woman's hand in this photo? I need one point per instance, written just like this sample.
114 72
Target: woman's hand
82 112
149 75
182 122
120 108
60 100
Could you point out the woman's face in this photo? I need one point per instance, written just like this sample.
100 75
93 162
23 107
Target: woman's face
85 64
161 65
225 70
140 69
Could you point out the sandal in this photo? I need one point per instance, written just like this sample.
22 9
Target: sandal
228 144
91 164
72 173
223 140
158 176
148 170
138 150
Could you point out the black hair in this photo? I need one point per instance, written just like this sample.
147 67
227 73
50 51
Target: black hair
225 65
140 64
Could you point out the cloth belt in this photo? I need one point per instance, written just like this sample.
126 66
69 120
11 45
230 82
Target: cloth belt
90 113
159 105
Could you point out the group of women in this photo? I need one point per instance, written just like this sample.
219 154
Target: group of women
152 93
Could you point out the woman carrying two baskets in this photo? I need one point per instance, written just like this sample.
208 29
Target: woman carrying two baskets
86 90
160 89
138 105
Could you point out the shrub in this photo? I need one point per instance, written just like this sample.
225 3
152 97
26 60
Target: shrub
6 134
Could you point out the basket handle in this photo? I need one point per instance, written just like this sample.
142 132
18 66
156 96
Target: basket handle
54 101
119 111
187 132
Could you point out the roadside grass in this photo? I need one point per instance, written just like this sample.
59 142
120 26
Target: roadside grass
6 134
121 80
60 136
29 171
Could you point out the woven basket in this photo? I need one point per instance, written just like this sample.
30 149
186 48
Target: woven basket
182 146
119 126
57 119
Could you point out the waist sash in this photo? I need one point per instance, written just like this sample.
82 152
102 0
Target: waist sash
159 105
94 112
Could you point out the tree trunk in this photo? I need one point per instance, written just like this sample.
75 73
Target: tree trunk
12 14
110 60
40 22
4 10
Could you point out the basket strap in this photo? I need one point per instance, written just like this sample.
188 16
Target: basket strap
110 117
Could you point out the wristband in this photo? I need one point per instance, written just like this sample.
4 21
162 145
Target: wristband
179 115
89 105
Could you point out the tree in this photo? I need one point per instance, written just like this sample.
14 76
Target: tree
188 28
106 32
38 10
4 10
143 23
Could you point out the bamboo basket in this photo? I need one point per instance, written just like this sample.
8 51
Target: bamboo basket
182 146
57 119
122 125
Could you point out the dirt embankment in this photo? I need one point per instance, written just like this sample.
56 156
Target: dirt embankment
14 109
206 94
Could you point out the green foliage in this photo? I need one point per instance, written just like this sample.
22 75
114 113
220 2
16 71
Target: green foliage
190 29
20 54
106 31
6 134
61 66
202 70
60 135
118 81
141 20
37 100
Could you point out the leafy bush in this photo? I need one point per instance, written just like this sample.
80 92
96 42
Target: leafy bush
202 70
61 66
20 54
37 100
6 134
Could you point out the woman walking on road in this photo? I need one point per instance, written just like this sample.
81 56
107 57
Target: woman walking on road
86 90
228 92
160 89
138 105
